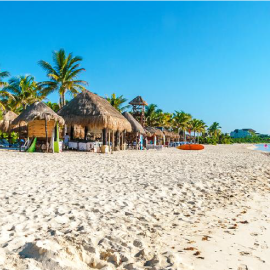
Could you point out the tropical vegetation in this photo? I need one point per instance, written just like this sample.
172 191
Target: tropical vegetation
118 102
23 90
252 139
17 92
53 105
181 122
62 75
4 95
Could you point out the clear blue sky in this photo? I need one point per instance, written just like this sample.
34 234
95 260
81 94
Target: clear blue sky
211 59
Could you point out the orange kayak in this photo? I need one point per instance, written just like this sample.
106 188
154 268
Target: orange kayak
191 147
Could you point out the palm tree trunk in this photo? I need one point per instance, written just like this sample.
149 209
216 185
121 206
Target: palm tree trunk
46 132
62 100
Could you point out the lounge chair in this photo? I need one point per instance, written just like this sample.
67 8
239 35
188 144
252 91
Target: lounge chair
4 143
26 145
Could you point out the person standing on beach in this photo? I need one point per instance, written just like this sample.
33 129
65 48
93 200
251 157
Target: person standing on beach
66 140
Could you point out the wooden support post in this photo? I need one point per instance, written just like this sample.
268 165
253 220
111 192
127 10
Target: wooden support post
122 140
119 139
85 133
109 139
104 136
71 133
9 135
113 140
125 139
117 144
20 144
46 131
116 139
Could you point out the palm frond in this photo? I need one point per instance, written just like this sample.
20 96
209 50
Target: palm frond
4 74
47 67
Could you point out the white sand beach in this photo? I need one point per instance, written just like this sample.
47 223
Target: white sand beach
168 209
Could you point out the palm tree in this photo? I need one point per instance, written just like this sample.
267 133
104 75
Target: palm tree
3 74
164 119
158 118
5 98
63 75
24 90
117 102
214 129
201 129
181 120
4 95
54 106
194 126
151 114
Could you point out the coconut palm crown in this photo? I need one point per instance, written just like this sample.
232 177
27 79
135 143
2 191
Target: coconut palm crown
3 74
118 102
214 129
24 91
181 121
63 75
4 95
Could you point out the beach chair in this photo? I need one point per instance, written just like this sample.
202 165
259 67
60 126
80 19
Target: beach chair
26 145
4 143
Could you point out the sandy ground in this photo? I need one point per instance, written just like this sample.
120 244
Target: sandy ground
168 209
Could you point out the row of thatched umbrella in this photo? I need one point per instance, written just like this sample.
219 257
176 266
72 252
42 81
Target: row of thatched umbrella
152 131
86 109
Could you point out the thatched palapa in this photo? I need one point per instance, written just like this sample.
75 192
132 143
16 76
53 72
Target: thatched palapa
89 109
38 111
171 134
136 126
138 101
5 124
152 131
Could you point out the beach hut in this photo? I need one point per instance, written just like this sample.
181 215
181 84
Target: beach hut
154 136
175 137
135 137
138 109
5 124
169 136
42 127
90 118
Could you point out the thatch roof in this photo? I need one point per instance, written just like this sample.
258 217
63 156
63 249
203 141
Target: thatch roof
138 101
5 124
38 111
175 135
136 126
170 134
10 116
89 109
151 131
